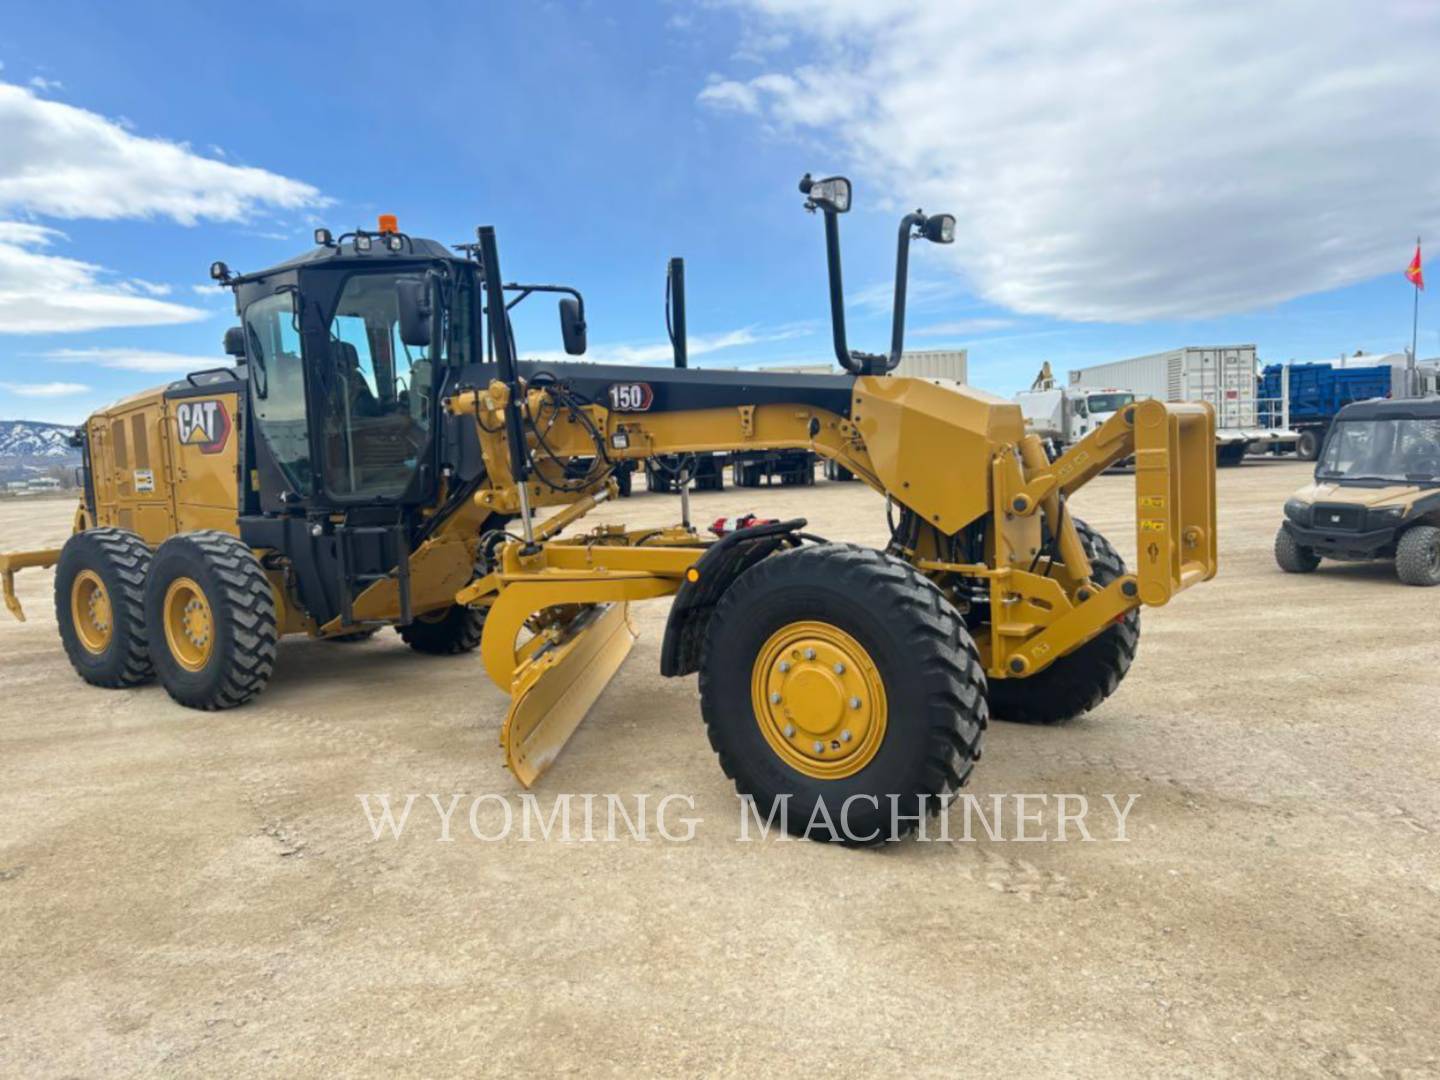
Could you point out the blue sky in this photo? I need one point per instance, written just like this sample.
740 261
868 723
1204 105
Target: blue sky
1123 183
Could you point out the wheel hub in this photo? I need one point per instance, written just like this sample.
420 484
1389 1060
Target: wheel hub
819 700
189 624
90 612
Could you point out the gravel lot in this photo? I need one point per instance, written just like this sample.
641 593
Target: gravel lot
201 895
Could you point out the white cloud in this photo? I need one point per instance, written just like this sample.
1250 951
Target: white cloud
149 288
697 345
39 82
978 325
44 390
62 161
1114 161
44 293
148 360
41 293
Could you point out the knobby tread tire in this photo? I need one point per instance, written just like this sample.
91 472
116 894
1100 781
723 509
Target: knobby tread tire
458 631
1291 557
1080 680
122 561
1413 559
934 683
242 608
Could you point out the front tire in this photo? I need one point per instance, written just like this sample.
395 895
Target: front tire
1292 557
210 618
1081 680
833 673
447 632
1417 556
100 606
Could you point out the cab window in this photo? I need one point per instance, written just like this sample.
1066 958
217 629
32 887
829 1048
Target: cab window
277 379
376 420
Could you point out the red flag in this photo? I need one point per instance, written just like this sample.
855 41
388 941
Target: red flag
1414 272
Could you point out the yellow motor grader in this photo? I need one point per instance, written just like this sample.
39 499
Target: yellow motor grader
377 453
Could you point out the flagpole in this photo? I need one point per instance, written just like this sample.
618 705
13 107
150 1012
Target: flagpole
1415 320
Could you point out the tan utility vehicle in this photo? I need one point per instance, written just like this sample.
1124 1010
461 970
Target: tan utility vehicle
1376 493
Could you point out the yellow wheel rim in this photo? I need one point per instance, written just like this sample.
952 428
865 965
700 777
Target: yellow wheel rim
819 700
90 612
189 626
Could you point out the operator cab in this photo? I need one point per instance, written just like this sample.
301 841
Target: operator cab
342 369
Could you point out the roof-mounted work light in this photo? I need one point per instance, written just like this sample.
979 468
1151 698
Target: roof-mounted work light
831 194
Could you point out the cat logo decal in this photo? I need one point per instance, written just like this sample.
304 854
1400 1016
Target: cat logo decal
204 424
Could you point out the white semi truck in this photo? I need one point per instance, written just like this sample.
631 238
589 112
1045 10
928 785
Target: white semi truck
1065 415
1224 375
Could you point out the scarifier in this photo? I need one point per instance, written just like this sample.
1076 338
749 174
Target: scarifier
377 453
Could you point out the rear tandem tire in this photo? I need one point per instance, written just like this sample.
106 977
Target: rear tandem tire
1307 446
210 618
1081 680
448 632
1417 556
1292 557
884 631
100 581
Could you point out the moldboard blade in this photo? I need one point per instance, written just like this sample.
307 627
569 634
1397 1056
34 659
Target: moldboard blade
555 687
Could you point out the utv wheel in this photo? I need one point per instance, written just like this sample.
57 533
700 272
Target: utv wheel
836 672
210 617
1081 680
100 606
1417 556
1292 557
447 632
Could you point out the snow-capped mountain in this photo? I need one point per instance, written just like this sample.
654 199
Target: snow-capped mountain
35 440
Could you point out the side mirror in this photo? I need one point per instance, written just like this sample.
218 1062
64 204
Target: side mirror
413 297
235 342
572 326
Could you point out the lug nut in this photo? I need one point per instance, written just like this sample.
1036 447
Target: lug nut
809 654
845 735
774 699
784 666
839 669
854 703
789 731
819 748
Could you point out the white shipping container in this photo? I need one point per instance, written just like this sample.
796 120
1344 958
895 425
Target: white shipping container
1224 375
934 364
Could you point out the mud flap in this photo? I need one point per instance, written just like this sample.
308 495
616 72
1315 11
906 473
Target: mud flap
557 683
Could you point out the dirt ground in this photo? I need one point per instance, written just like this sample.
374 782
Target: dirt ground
197 894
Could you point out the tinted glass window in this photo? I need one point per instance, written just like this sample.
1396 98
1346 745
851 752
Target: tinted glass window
377 396
1397 450
278 382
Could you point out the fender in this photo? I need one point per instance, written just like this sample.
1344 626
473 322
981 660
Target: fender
705 583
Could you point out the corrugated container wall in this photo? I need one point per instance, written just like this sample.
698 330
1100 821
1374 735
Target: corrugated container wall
934 364
1223 375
